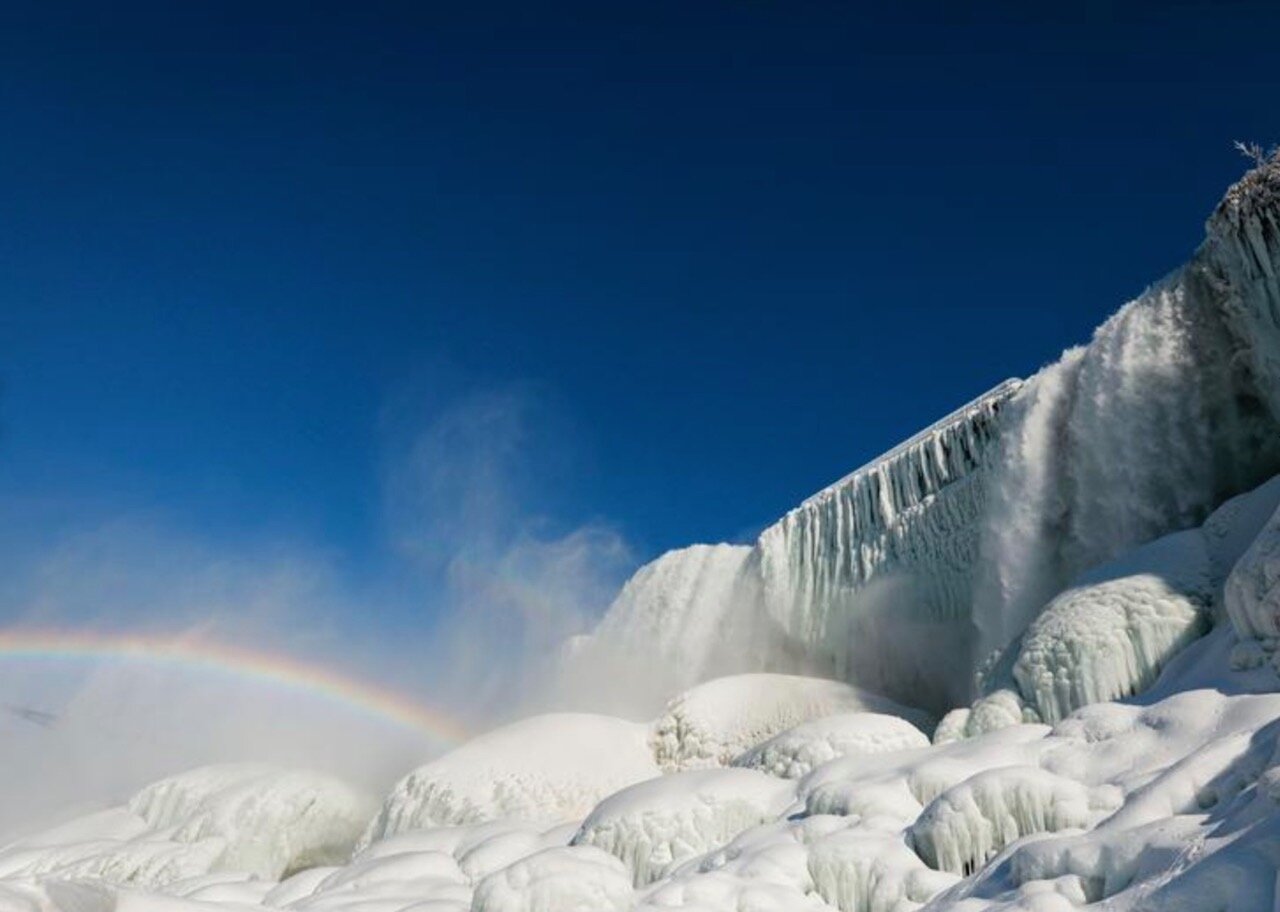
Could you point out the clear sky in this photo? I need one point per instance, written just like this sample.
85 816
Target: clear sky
711 256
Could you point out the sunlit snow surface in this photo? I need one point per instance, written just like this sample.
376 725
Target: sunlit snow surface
1095 549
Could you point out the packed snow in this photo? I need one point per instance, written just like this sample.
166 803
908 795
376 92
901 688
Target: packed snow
1079 573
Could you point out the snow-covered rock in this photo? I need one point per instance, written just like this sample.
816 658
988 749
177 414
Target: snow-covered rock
797 751
655 825
968 824
713 723
858 871
1109 636
256 819
577 878
551 768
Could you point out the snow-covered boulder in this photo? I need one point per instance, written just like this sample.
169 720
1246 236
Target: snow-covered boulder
968 824
998 709
655 825
797 751
578 878
271 821
552 768
712 724
1108 636
859 871
256 819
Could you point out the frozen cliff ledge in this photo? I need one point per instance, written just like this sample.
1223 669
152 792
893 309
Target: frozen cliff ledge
909 573
869 567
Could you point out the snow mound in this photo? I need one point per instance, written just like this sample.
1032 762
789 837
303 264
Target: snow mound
714 723
655 825
970 823
796 752
858 871
1109 636
577 878
308 819
261 820
552 768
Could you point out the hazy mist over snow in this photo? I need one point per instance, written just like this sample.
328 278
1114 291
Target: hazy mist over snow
496 588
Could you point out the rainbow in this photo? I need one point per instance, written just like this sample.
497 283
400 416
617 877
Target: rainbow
202 652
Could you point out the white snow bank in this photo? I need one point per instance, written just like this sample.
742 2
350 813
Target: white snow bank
256 819
797 751
713 723
577 878
657 824
550 768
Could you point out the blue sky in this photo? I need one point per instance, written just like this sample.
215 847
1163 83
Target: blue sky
704 258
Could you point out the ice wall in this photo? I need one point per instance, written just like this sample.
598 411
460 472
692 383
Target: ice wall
907 574
1172 408
880 562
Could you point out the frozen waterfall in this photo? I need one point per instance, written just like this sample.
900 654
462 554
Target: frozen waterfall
907 574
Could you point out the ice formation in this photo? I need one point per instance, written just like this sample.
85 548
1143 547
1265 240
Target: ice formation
907 521
262 821
549 768
655 825
795 752
969 823
1109 636
710 725
907 574
696 612
567 879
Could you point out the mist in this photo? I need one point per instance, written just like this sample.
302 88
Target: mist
465 612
